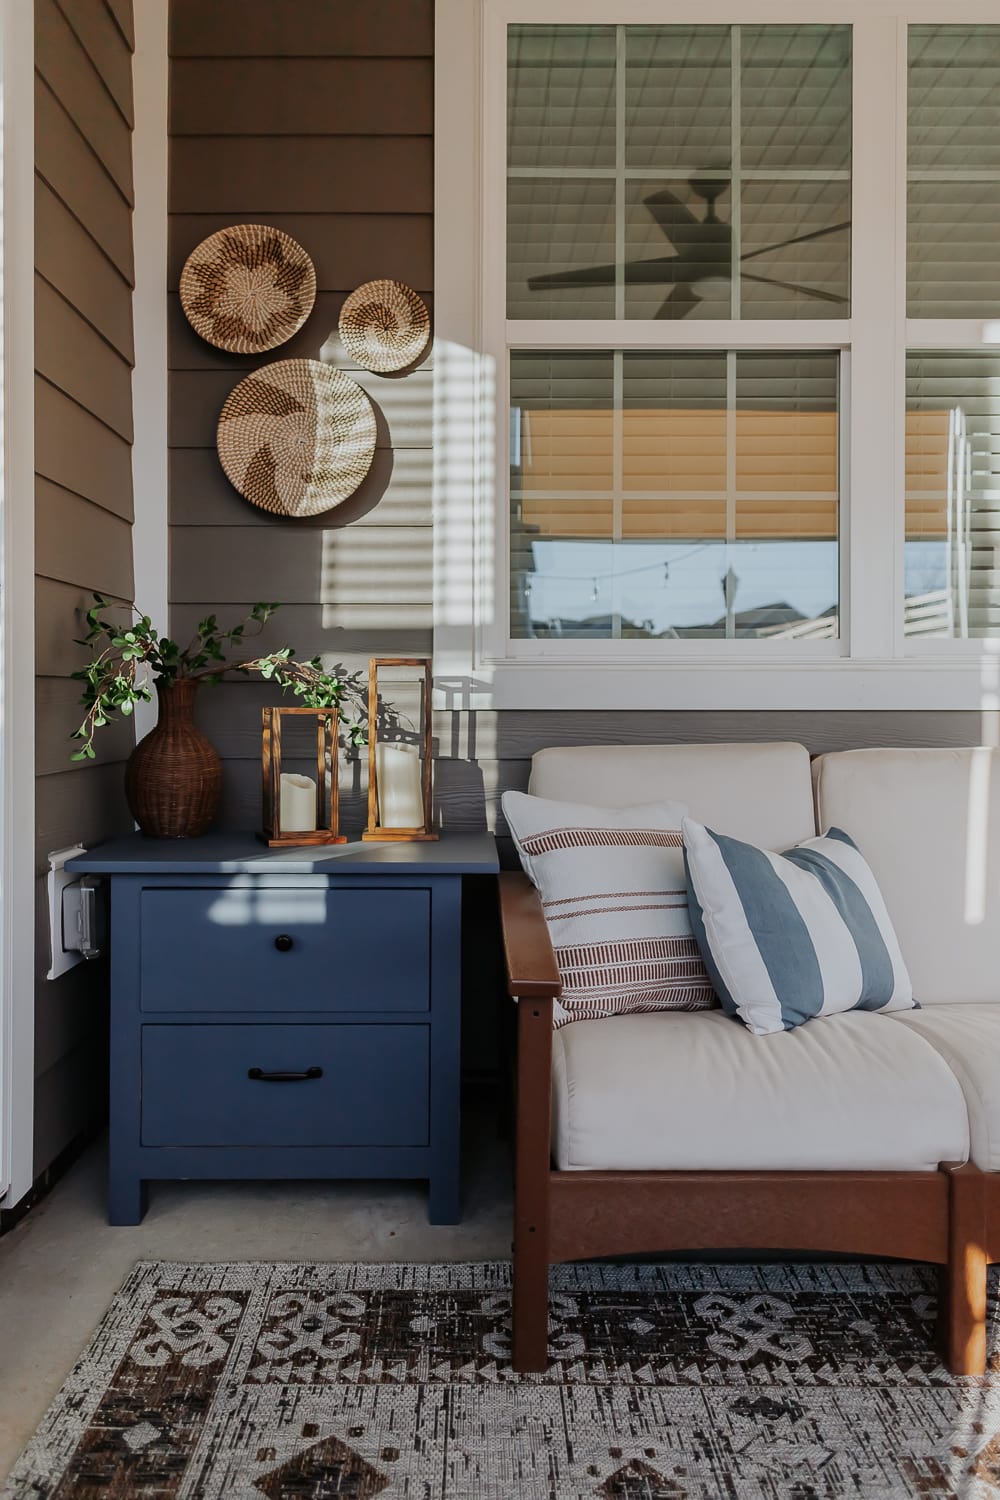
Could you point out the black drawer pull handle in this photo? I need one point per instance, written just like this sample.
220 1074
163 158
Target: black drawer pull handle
259 1076
283 942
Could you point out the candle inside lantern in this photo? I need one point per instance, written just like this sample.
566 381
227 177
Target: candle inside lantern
400 794
298 804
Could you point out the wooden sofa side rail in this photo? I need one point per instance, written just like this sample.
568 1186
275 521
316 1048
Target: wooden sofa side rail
950 1218
532 971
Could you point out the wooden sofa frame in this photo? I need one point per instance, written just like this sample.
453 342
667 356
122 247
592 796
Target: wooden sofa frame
950 1217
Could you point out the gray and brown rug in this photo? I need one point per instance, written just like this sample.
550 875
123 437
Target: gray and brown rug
296 1382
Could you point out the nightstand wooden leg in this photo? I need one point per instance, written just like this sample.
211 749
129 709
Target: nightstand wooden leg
127 1200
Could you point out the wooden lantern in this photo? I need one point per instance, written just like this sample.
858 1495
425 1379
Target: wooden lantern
405 786
293 794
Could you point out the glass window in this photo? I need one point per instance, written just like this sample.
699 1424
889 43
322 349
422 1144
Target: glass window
953 494
679 171
953 163
674 495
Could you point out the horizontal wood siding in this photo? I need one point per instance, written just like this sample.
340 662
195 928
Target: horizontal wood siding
316 119
83 491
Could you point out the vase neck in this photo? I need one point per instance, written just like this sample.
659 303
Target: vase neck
176 701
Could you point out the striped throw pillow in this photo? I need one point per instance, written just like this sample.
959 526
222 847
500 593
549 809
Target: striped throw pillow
790 936
613 892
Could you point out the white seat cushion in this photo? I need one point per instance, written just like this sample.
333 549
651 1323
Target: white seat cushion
928 823
968 1038
760 793
675 1091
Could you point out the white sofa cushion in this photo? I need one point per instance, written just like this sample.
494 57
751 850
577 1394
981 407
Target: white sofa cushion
683 1092
613 891
968 1038
761 793
928 823
787 937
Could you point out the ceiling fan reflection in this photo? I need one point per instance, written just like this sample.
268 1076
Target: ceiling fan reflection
703 253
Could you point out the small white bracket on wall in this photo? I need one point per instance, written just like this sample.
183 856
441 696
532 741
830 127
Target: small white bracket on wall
74 926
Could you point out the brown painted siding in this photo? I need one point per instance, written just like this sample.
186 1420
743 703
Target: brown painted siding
317 119
83 489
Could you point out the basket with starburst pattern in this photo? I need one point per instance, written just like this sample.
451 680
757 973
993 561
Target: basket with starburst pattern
297 437
248 288
384 326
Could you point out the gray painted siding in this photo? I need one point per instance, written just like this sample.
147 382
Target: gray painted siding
317 119
83 490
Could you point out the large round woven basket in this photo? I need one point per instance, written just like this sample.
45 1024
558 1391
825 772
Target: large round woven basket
385 326
297 437
248 288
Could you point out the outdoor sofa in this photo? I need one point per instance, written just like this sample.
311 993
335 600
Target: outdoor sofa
862 1133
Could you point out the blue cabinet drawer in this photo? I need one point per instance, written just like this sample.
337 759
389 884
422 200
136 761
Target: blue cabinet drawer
306 948
372 1087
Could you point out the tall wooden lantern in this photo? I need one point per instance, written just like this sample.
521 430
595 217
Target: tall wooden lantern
297 809
400 749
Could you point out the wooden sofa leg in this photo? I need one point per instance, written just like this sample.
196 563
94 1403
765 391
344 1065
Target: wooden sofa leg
531 1188
962 1309
531 1304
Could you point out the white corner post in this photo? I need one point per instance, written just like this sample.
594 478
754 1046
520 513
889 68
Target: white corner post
17 605
150 533
464 497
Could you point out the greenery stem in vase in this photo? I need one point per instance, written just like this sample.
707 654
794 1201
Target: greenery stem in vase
173 779
125 658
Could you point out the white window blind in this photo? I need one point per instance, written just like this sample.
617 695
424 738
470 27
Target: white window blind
678 171
953 494
674 495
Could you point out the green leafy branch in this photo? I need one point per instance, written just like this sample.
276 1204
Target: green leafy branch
125 657
314 687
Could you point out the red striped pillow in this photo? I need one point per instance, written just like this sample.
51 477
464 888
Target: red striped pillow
613 891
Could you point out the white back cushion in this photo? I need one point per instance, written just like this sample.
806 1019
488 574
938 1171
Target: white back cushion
928 823
760 793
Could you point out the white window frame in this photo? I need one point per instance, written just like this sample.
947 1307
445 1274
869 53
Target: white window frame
872 666
17 608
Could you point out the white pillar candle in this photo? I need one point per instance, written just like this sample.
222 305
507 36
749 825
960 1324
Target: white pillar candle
400 794
298 804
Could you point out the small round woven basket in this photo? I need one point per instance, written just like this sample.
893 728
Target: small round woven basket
297 437
385 326
248 288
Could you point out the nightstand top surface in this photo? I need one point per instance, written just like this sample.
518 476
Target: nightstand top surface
244 854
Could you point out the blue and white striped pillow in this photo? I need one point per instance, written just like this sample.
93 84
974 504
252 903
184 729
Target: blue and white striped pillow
786 937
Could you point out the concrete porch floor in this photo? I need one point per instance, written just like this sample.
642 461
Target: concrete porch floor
60 1267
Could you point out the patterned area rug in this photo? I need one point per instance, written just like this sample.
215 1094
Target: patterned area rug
666 1383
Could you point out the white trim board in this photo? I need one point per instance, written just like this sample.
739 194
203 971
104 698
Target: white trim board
17 607
476 664
150 531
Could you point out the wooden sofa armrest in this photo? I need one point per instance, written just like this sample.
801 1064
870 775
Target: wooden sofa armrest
532 972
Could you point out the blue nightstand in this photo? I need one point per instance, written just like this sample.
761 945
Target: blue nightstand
285 1013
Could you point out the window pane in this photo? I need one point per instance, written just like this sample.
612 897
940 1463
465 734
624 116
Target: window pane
954 171
796 249
561 96
953 494
678 97
685 495
635 150
796 97
694 280
561 229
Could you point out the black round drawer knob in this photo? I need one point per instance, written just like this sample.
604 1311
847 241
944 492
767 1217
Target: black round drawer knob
283 942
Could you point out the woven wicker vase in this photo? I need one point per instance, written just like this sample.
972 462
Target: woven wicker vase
174 776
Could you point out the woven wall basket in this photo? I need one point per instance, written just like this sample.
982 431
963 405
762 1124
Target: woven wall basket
385 326
297 437
248 288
